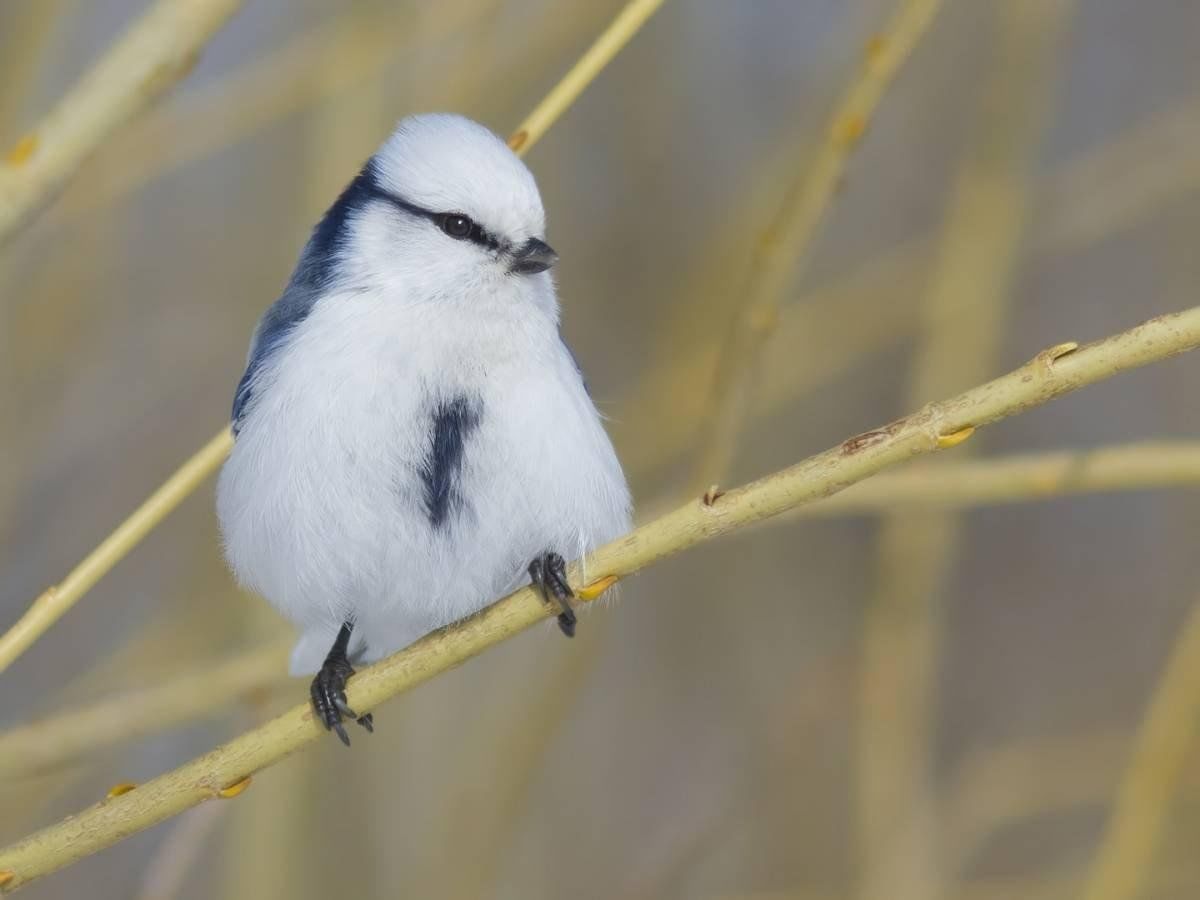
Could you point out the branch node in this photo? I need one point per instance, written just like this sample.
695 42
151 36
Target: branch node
945 441
764 319
712 495
1058 351
1046 359
859 442
47 596
118 790
517 140
848 131
22 151
875 49
230 791
172 70
591 591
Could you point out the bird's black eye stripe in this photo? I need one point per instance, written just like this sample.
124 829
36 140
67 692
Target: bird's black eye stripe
463 228
456 225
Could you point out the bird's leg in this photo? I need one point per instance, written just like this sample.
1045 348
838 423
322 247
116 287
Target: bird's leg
549 575
329 689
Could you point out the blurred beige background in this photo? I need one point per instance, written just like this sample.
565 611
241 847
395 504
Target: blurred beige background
918 705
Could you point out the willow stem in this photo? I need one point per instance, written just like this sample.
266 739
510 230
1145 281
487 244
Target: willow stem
223 772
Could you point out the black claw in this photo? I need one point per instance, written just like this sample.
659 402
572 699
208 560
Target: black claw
328 690
566 623
549 573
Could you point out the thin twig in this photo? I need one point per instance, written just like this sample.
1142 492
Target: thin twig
661 414
784 247
944 485
159 50
996 788
225 771
1091 197
564 94
55 601
22 54
242 102
1020 478
50 606
18 70
1110 187
1122 866
43 745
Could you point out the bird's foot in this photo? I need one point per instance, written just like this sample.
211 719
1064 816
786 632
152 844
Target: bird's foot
329 696
549 575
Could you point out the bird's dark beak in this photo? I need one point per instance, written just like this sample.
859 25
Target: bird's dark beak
533 257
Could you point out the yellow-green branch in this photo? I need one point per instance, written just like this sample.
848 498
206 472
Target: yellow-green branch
123 717
1123 865
1020 478
53 602
224 772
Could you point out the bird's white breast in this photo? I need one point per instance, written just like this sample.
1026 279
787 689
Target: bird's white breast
322 502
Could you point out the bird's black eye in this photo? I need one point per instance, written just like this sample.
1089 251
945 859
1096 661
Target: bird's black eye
456 225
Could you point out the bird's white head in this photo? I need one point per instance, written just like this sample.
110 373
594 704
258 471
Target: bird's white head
443 207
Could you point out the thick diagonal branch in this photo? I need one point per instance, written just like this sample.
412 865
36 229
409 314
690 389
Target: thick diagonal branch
224 771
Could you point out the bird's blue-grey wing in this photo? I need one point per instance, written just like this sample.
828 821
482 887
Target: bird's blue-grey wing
269 338
574 359
315 271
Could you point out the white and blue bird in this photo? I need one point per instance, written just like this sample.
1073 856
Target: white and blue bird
413 437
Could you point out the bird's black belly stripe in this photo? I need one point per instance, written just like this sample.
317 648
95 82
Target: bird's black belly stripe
453 422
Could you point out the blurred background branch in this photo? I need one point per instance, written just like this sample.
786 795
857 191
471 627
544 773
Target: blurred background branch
1091 198
1126 855
962 319
54 602
157 51
1020 479
345 54
783 247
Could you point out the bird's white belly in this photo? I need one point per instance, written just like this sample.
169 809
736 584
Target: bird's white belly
537 474
324 507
